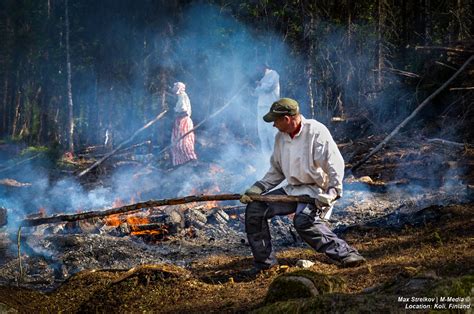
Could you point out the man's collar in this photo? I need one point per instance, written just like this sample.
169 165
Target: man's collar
298 130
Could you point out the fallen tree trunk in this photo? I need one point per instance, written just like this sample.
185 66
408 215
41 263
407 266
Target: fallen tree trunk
121 151
98 162
412 115
453 49
446 142
155 203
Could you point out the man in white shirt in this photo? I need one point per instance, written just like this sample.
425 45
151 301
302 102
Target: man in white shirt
268 91
306 155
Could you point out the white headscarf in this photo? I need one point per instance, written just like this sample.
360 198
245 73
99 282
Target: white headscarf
179 87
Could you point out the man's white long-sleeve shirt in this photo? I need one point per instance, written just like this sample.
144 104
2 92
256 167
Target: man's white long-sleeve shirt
310 162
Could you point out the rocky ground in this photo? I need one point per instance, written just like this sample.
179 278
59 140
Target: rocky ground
409 211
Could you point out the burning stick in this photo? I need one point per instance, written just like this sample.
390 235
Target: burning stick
30 222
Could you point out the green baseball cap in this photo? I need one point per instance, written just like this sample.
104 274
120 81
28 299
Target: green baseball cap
280 108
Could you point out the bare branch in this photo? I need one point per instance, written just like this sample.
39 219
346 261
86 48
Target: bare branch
156 203
98 162
444 48
412 115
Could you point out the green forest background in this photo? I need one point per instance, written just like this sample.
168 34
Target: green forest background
72 71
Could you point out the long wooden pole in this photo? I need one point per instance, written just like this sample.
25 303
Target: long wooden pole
412 115
155 203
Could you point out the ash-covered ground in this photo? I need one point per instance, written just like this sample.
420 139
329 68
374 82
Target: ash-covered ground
52 253
405 179
403 210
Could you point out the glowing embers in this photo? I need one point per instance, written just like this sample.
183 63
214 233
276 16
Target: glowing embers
153 226
162 222
207 191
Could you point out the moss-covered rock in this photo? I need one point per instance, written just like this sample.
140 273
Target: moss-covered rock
454 287
302 284
461 288
335 303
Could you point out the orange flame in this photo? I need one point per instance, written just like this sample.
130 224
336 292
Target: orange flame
136 220
113 220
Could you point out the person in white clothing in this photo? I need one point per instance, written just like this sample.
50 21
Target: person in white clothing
267 91
306 155
182 150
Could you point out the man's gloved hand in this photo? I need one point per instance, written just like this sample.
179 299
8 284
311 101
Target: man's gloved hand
333 193
326 199
245 199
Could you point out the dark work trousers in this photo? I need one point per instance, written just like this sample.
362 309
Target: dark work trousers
308 225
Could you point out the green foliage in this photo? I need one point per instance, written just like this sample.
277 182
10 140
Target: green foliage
437 238
32 150
455 287
123 57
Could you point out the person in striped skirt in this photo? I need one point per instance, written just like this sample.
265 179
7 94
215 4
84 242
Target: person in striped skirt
183 147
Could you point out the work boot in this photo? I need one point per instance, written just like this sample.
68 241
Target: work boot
353 260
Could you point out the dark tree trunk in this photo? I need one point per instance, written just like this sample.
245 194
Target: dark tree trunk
380 37
309 66
428 21
163 137
5 113
93 115
349 5
42 135
5 70
70 130
16 117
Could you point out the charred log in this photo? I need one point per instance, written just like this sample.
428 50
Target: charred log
155 227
